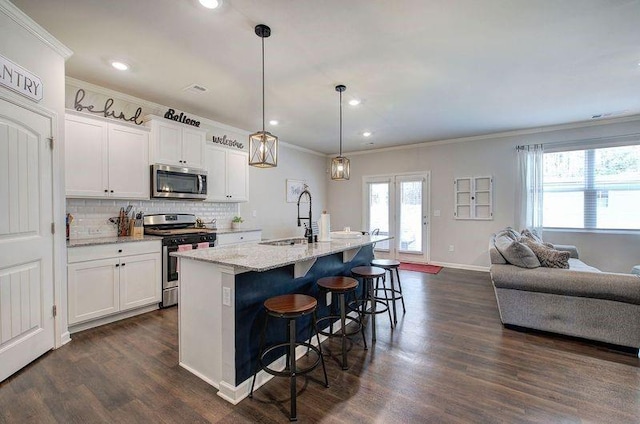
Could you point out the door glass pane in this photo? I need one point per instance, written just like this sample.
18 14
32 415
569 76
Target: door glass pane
411 216
379 211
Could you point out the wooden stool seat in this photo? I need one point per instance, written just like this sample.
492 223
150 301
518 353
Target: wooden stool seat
385 263
368 271
338 284
290 304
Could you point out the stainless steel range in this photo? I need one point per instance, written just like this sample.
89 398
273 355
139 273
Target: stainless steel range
178 233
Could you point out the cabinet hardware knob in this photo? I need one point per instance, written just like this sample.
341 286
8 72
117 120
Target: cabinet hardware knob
123 264
119 250
111 191
106 191
117 265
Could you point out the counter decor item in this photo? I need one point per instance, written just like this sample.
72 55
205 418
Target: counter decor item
324 227
236 222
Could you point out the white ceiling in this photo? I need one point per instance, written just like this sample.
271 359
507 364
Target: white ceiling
425 69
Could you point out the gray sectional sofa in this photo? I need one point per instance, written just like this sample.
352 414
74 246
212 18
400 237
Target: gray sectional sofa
579 301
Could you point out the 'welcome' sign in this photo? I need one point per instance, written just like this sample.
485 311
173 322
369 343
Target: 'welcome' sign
18 79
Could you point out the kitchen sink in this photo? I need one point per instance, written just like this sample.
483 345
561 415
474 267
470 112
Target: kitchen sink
286 242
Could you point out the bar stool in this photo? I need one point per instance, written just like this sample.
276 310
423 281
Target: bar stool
290 307
368 275
341 286
391 265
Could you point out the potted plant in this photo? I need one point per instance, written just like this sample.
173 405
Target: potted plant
236 222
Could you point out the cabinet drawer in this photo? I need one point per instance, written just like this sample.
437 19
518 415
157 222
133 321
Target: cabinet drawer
234 238
113 250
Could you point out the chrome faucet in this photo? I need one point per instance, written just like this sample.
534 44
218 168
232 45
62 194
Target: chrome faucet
309 231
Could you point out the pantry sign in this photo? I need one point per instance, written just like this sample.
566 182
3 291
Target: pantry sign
18 79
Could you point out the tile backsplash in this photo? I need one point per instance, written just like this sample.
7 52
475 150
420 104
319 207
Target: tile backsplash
91 217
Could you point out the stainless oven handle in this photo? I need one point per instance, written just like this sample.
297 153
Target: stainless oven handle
199 184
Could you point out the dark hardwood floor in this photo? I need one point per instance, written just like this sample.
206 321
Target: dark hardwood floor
448 361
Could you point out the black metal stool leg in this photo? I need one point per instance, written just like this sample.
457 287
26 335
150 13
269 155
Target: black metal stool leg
393 296
324 369
372 298
292 368
343 321
400 288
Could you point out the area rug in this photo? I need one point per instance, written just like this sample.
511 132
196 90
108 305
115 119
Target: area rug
429 269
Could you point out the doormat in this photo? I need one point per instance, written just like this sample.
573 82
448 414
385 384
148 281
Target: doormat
429 269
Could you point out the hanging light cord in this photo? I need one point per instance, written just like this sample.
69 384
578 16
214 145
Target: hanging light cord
263 84
340 124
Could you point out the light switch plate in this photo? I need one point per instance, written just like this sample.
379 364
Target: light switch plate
226 296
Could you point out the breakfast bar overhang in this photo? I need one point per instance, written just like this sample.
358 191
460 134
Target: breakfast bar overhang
222 291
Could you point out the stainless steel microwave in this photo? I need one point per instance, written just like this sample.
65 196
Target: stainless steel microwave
177 182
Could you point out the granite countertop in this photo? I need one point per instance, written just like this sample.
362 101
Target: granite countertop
109 240
262 257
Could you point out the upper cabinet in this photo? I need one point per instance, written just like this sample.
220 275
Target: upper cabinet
104 158
176 144
228 174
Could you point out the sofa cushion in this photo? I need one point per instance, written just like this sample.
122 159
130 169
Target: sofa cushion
508 232
515 253
578 265
547 256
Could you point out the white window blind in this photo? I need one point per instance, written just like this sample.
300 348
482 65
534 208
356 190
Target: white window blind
595 188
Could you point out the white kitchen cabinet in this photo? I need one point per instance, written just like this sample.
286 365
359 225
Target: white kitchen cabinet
108 279
105 159
228 174
237 237
176 144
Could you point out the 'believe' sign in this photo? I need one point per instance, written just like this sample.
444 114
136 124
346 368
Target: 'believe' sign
18 79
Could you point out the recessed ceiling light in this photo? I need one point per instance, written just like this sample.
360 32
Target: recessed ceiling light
210 4
366 133
273 122
120 66
354 102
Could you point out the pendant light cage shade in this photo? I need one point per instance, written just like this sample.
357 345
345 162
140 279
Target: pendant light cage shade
263 146
263 150
340 168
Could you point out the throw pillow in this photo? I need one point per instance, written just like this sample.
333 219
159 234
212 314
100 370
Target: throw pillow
548 257
508 232
533 235
516 253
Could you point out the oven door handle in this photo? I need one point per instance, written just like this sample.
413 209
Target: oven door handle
199 184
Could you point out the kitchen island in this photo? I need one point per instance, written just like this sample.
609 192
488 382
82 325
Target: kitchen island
222 290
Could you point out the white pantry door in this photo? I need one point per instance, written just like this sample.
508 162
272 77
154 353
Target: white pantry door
26 242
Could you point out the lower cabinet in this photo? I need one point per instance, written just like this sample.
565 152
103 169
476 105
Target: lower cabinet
99 286
223 239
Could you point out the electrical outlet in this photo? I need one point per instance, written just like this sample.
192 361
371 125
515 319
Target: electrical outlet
451 248
254 213
226 296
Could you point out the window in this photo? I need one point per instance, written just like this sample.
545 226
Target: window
592 189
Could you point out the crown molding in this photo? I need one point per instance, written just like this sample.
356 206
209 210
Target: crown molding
22 19
514 133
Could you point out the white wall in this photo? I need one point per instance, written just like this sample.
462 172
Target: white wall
274 215
491 155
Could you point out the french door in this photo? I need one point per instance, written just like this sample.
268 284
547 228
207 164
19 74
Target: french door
398 205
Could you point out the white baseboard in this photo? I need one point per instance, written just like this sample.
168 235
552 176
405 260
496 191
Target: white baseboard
461 266
65 338
111 318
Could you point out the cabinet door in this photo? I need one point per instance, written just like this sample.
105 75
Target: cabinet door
140 281
86 173
193 141
93 289
216 166
128 162
226 239
167 140
237 176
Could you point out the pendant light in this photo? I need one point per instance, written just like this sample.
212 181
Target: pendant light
340 169
263 146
